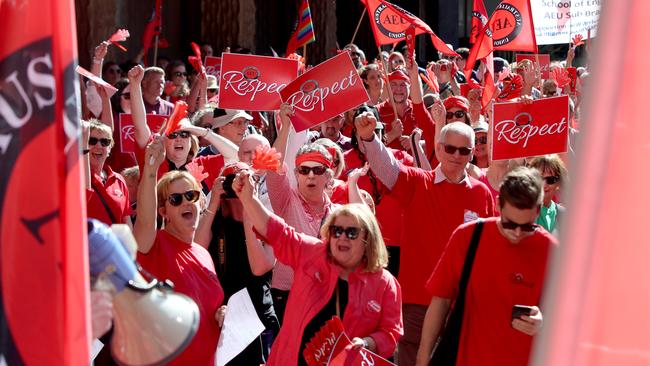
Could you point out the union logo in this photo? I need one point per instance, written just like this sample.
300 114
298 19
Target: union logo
389 22
309 86
506 24
251 73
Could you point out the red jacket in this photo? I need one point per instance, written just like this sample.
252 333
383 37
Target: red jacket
374 298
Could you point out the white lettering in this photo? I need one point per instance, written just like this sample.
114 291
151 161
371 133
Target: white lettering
7 111
42 80
509 130
241 86
307 102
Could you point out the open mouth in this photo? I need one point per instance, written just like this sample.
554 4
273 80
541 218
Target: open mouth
343 248
188 214
178 148
311 185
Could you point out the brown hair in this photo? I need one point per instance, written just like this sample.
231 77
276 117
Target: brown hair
162 188
551 163
522 188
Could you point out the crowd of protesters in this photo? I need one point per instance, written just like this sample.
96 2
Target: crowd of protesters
372 215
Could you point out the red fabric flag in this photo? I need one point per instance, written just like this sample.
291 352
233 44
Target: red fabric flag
389 24
196 60
512 27
482 50
44 302
152 29
304 33
479 19
597 294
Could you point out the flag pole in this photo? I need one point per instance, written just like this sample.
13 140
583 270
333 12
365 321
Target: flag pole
390 91
155 50
304 53
363 14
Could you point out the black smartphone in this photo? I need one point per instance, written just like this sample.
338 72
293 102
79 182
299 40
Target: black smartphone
519 310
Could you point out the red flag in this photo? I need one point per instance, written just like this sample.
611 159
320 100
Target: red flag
479 19
482 50
43 251
512 27
152 29
389 24
596 301
304 33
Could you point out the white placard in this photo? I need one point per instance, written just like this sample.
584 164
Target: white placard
557 21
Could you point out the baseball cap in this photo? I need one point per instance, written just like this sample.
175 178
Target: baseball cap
224 116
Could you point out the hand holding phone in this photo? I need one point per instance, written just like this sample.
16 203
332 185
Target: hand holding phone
519 310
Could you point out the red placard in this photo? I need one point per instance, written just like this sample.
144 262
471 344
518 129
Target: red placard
544 61
127 130
523 130
252 82
324 91
213 66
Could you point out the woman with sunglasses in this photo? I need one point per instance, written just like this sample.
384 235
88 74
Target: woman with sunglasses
342 273
171 252
554 174
176 87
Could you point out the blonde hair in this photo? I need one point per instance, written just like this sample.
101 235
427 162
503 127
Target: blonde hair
375 253
162 188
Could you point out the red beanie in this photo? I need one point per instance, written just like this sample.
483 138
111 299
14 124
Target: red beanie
398 75
456 102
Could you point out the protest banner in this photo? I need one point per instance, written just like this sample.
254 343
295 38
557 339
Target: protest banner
213 66
522 130
557 21
331 88
127 129
544 62
252 82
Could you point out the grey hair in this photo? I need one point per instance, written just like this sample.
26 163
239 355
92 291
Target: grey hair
458 128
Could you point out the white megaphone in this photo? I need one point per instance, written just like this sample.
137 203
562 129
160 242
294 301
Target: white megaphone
151 323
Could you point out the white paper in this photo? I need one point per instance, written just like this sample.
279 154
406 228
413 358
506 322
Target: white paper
95 348
240 327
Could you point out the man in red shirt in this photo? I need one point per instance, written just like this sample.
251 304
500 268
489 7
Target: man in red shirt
398 128
508 270
435 203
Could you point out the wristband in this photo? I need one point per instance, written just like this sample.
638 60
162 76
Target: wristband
207 132
85 151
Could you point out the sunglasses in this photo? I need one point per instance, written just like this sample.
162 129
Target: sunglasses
181 134
317 170
550 180
178 73
92 141
457 114
126 96
175 199
509 225
481 140
451 149
351 232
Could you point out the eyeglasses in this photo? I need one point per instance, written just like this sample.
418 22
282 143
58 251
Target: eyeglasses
457 114
181 134
92 141
317 170
175 199
351 232
509 225
481 140
126 96
550 180
451 149
179 73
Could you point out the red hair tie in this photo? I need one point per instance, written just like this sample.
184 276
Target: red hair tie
314 156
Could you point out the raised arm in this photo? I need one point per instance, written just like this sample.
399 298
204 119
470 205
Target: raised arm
198 92
381 161
258 216
98 58
203 234
145 227
226 147
138 113
280 143
260 256
354 193
418 152
107 111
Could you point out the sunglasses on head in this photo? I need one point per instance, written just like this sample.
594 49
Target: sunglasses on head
509 225
179 73
181 134
481 140
457 114
451 149
317 170
175 199
351 232
92 141
551 179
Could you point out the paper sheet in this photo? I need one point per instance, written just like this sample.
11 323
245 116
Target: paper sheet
110 89
240 327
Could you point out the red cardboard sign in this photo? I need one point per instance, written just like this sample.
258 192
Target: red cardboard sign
127 130
544 61
213 66
523 130
325 91
252 82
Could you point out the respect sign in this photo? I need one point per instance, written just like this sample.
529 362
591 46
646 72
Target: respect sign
544 62
522 130
127 129
557 21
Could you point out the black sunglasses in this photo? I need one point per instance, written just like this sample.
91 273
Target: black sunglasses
551 179
351 232
181 134
92 141
509 225
175 199
178 73
304 170
451 149
481 140
457 114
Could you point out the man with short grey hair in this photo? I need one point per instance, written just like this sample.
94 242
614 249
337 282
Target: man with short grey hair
435 203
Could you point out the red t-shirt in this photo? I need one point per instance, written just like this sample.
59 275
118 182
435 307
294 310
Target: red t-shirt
431 213
387 116
504 274
190 268
388 212
114 192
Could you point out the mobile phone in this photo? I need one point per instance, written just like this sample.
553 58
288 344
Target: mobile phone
519 310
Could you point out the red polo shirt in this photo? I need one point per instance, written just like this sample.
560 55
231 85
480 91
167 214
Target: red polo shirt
387 116
504 274
115 194
433 209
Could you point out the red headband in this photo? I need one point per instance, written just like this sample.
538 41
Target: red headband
398 75
314 156
455 102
